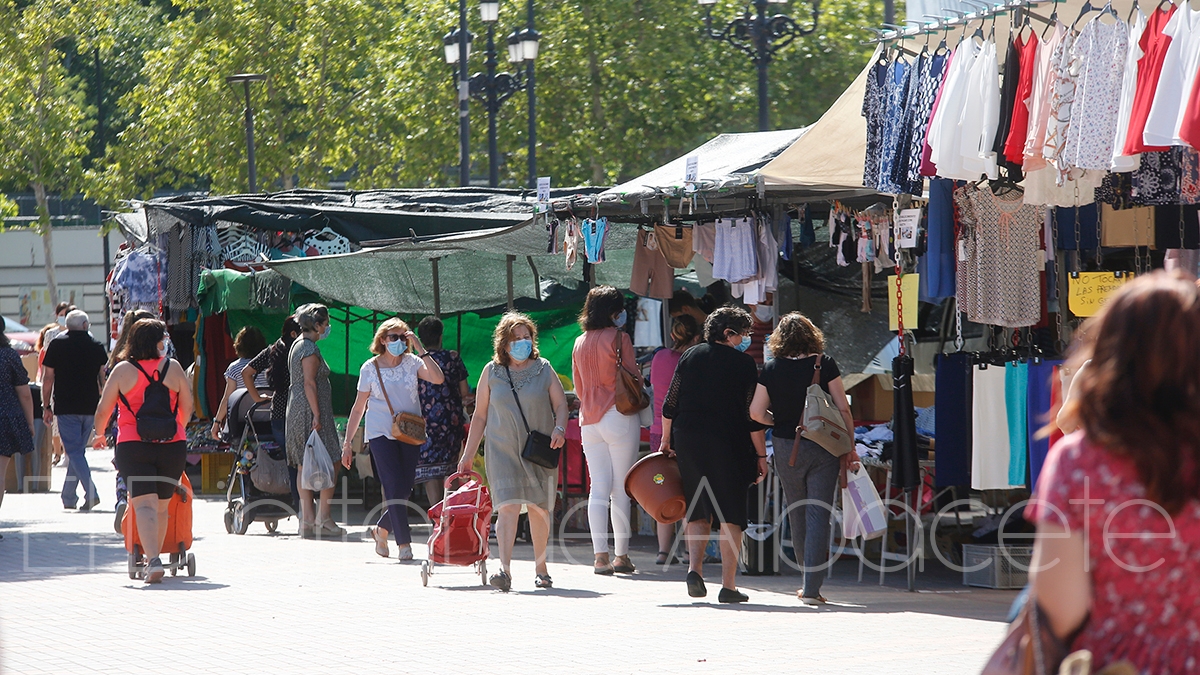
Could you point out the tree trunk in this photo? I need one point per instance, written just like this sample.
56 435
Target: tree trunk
43 228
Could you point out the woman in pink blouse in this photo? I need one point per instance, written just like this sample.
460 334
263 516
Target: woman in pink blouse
1117 553
685 333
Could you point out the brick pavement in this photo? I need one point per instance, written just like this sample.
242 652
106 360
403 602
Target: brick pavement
263 603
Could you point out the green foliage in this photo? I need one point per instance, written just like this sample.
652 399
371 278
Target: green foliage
8 209
358 91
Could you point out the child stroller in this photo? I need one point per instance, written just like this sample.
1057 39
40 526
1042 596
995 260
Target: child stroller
461 523
258 485
177 541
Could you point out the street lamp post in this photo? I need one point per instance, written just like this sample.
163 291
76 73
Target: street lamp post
761 36
245 79
493 88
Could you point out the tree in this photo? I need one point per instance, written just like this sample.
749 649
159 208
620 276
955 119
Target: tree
46 123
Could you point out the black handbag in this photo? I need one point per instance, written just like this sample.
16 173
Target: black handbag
537 445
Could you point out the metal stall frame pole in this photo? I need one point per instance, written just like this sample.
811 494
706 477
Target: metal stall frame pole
437 289
532 97
464 98
508 259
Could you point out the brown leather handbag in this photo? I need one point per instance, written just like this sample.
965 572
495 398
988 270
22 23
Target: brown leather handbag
406 427
630 396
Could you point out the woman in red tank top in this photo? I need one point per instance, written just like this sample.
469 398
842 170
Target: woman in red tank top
151 467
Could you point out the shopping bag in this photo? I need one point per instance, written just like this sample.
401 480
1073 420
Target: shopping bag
862 510
317 471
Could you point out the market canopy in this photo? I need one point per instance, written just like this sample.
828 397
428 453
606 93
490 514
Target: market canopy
829 158
455 273
360 216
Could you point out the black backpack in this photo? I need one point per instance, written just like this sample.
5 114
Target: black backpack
156 419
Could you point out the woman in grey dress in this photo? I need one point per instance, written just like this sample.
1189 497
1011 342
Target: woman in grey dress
514 481
309 409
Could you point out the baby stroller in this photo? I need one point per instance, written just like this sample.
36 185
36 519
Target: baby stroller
258 486
461 523
178 539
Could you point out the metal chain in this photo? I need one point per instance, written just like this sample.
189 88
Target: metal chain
900 306
1099 229
1181 246
1078 250
1137 247
958 335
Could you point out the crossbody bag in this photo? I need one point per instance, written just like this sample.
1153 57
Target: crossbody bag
537 445
406 427
822 422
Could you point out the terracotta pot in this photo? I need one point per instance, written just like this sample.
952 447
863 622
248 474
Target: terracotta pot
655 484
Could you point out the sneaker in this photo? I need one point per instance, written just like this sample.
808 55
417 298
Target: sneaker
695 585
89 504
154 571
730 595
501 580
121 506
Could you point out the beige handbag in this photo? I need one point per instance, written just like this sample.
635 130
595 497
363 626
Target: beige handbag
822 422
406 427
631 398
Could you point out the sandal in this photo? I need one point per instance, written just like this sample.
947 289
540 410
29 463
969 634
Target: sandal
602 566
623 565
501 581
330 529
819 600
381 544
543 581
405 553
307 530
662 558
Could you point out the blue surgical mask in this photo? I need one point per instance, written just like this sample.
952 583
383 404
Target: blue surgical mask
619 322
744 344
520 349
325 333
396 348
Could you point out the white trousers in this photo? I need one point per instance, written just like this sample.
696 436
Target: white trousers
611 446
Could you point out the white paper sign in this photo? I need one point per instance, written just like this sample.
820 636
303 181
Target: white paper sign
543 189
692 173
907 222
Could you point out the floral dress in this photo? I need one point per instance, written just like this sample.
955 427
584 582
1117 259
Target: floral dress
445 420
15 437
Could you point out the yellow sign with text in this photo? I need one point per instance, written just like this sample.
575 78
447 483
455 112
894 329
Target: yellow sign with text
1089 290
910 288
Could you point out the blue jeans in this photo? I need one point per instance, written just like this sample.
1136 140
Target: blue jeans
74 430
813 476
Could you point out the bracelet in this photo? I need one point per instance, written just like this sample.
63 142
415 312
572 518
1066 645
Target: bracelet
560 429
423 355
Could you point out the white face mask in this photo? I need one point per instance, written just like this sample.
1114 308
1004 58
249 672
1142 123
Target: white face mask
763 313
164 349
62 321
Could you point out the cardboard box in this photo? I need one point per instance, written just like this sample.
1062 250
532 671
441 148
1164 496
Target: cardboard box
871 395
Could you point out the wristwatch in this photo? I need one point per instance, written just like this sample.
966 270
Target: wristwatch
560 429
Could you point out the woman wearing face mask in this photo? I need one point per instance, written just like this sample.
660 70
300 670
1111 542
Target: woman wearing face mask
610 438
153 468
309 409
387 386
517 381
721 451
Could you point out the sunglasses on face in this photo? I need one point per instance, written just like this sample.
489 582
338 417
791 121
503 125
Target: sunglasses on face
395 337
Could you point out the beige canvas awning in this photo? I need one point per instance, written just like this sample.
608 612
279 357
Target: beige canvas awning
830 155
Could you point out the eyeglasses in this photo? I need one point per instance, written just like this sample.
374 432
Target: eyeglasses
395 337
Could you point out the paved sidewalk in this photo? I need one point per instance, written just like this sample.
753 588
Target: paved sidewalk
264 603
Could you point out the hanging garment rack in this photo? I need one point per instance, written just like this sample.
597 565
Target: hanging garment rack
893 32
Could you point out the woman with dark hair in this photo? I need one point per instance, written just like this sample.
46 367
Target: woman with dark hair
110 432
16 410
1115 560
808 472
518 392
248 344
685 333
309 409
443 406
272 362
610 438
151 466
721 451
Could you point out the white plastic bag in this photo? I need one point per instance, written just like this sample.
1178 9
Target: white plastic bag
317 471
862 510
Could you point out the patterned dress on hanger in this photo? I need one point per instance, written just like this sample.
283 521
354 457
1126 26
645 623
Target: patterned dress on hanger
1100 50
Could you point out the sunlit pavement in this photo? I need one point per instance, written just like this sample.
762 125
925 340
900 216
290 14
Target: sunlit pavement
275 603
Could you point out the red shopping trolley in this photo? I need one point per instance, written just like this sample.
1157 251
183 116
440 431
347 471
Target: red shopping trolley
461 523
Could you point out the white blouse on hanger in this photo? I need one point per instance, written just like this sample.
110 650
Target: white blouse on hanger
1121 162
1039 102
1175 81
944 135
980 115
1100 52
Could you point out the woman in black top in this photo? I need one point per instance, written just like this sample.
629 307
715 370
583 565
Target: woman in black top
707 426
808 472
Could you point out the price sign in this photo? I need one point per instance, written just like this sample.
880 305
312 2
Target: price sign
907 222
1090 290
543 189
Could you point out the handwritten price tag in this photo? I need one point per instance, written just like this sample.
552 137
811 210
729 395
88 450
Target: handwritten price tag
1089 290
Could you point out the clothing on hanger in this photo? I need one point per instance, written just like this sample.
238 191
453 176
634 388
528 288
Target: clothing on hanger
1153 45
1122 160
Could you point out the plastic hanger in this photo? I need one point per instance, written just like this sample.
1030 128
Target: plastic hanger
1083 11
1052 21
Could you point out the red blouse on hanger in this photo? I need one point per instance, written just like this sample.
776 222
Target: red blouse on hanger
1154 49
1014 145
